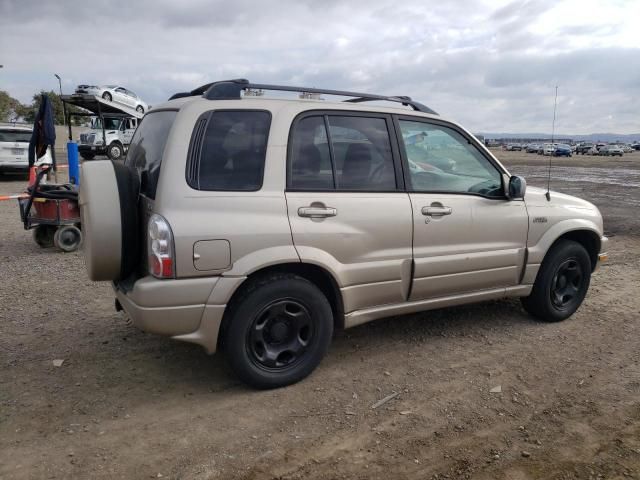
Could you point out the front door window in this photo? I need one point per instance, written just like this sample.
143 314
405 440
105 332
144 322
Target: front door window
442 160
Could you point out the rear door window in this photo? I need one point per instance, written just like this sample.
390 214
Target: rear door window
147 147
228 151
344 153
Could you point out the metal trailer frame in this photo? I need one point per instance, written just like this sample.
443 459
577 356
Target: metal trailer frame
96 107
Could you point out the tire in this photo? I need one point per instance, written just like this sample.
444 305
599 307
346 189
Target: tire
87 156
107 96
140 109
115 151
67 238
43 235
269 311
109 212
561 284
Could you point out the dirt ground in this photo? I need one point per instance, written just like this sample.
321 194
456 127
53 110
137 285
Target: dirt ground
125 404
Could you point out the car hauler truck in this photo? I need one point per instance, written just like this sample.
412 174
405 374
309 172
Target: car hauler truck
112 126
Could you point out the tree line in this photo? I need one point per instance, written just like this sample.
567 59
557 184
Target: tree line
12 110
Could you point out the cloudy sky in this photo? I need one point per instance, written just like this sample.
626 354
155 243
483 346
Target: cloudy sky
492 65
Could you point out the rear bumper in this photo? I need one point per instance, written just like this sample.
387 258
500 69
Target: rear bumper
184 309
13 166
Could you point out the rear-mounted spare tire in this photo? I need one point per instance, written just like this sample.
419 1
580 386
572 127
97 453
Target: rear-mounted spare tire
109 212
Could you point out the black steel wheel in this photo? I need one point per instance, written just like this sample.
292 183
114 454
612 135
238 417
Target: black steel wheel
107 96
566 283
280 334
562 282
277 330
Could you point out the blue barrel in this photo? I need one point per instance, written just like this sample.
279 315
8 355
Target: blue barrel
74 163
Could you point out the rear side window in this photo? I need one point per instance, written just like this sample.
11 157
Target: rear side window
335 152
228 151
13 136
147 147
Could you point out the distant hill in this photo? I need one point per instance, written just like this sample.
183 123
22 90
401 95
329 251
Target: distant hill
592 137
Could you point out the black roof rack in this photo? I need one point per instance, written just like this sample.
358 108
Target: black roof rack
232 90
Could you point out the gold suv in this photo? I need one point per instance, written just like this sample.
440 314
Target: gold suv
260 225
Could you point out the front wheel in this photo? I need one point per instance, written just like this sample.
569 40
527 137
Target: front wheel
115 151
107 96
140 109
561 284
278 331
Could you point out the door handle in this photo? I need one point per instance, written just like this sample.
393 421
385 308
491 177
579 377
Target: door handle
317 212
436 211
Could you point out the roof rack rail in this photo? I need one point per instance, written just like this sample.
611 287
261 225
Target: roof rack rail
232 90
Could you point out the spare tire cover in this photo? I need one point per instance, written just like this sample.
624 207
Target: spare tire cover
109 214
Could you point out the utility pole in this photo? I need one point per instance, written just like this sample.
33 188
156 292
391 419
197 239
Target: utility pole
64 109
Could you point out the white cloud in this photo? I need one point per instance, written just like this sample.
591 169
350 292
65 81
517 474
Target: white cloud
492 65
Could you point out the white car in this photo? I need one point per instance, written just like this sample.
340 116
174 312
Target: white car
549 149
115 93
14 148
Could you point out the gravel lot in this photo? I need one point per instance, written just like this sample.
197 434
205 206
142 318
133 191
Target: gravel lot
125 404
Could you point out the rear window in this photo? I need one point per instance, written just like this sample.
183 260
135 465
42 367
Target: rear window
147 147
23 136
228 151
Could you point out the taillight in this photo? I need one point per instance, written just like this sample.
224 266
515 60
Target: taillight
160 248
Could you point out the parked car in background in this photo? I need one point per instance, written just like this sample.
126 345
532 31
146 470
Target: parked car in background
611 150
548 149
533 148
115 93
14 148
562 150
593 151
584 148
511 147
635 146
626 148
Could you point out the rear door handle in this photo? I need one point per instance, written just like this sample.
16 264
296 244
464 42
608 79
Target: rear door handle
317 212
436 211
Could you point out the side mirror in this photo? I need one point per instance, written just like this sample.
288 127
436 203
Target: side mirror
517 188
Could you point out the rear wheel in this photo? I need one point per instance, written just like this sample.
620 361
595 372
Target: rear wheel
43 235
278 331
67 238
561 284
107 96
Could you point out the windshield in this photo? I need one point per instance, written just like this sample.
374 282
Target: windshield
7 135
109 124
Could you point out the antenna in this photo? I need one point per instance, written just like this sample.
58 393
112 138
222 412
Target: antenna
553 131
